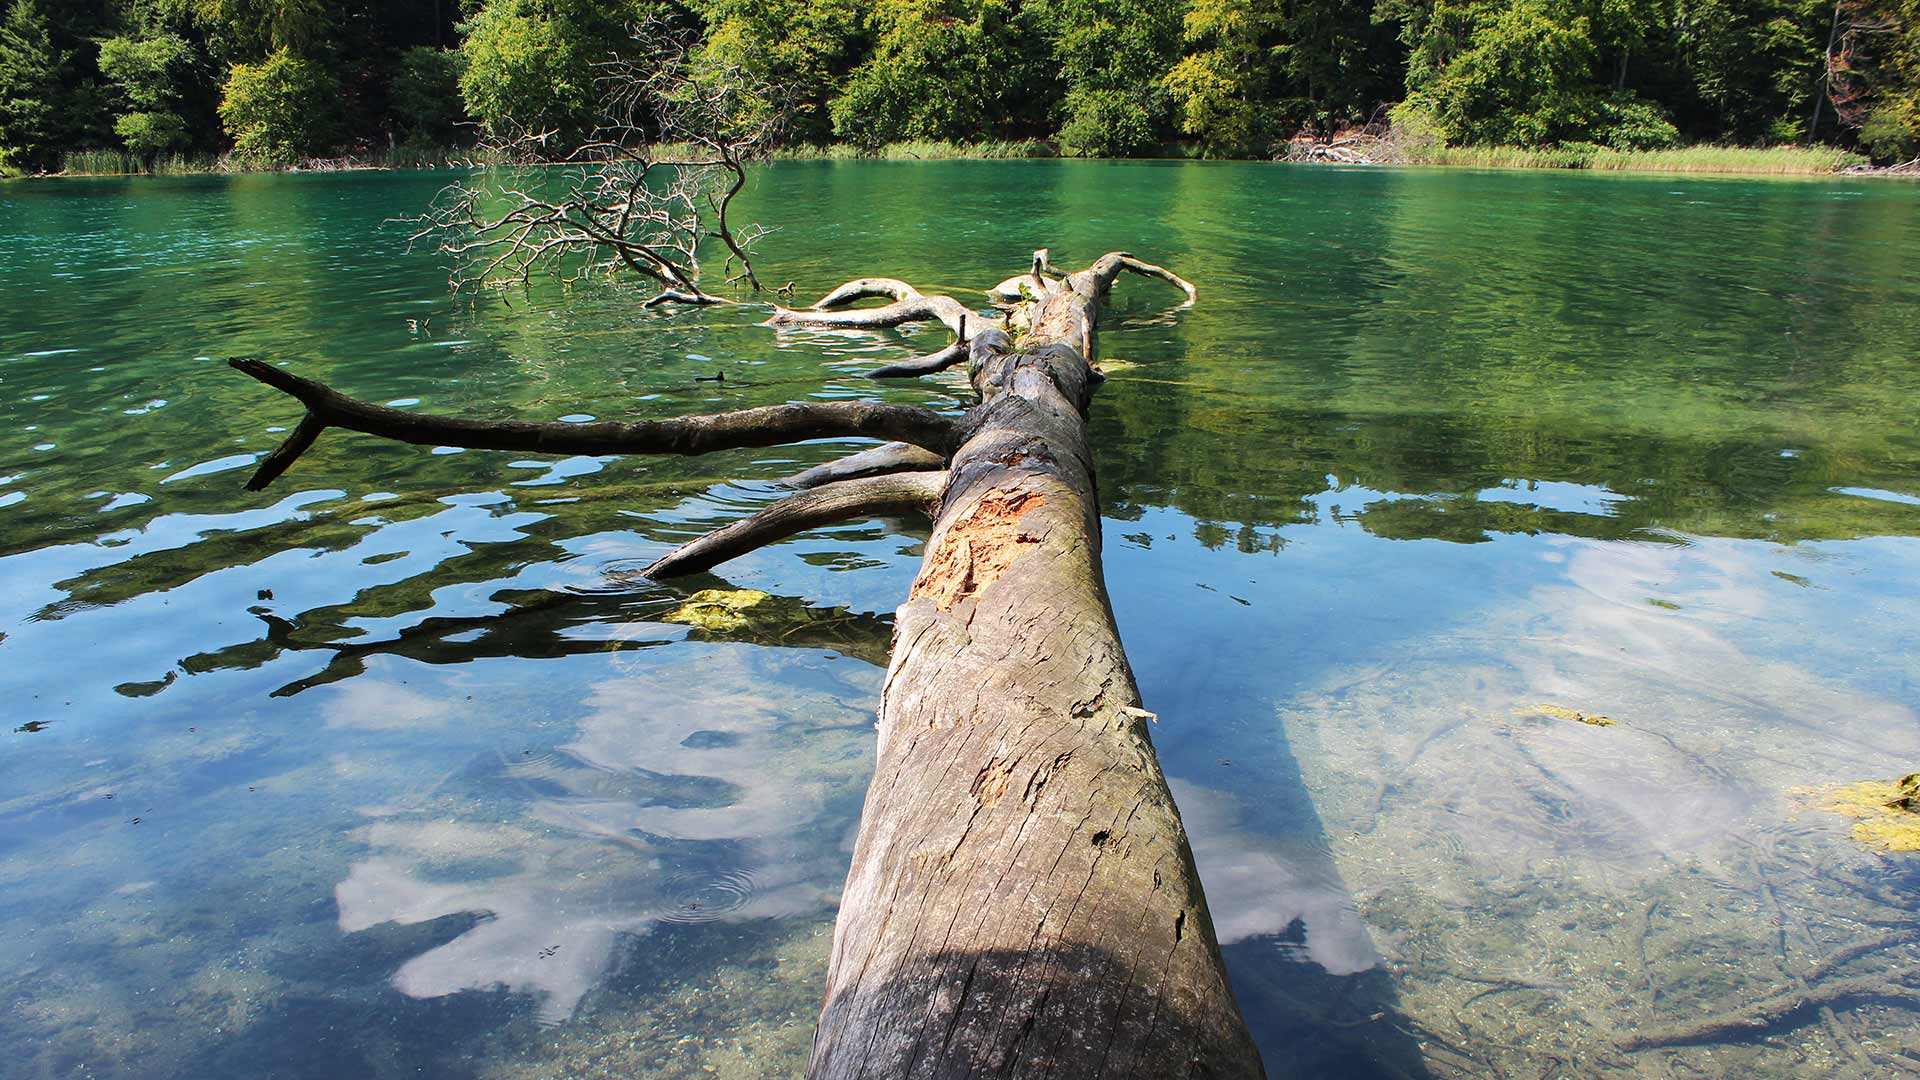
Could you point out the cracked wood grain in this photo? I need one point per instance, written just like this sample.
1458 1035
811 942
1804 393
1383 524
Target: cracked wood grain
1022 900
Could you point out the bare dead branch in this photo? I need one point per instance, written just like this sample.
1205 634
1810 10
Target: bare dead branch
887 458
770 425
909 305
828 504
1107 267
1035 284
929 364
866 288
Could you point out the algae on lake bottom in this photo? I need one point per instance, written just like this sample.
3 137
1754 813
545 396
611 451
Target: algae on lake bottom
1887 812
1559 713
718 609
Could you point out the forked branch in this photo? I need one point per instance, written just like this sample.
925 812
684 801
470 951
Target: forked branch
769 425
1107 267
908 306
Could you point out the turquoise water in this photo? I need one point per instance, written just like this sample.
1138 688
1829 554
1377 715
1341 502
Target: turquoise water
396 768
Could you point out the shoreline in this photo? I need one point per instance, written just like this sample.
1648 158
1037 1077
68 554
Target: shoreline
1706 160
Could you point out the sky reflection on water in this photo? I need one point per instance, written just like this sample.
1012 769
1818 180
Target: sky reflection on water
398 769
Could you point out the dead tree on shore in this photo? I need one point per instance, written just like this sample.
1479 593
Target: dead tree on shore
1023 898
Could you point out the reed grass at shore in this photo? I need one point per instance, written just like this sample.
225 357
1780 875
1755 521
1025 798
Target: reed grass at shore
1737 160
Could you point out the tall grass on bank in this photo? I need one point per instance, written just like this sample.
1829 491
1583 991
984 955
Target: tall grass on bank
1748 160
119 163
1756 160
1496 157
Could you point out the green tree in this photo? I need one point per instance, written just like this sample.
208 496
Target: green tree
279 110
531 63
803 47
425 95
1335 61
1112 56
30 88
147 73
1528 72
946 69
1221 88
1877 76
255 28
1756 65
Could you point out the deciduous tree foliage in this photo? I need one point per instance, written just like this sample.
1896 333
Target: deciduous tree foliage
1096 77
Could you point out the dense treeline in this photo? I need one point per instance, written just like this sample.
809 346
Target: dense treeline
275 81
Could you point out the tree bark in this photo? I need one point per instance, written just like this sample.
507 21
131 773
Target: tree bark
1023 899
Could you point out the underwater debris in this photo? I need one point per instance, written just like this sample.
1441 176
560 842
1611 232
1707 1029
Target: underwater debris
718 609
1558 713
1886 812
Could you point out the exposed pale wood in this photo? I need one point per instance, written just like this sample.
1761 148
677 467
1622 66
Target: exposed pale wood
909 305
885 458
1023 900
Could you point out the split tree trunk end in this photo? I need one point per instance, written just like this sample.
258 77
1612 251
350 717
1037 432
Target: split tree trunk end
1023 899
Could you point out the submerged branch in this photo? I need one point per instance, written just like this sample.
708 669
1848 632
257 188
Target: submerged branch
893 457
1767 1012
828 504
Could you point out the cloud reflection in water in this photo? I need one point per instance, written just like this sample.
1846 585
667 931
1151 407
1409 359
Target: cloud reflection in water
685 796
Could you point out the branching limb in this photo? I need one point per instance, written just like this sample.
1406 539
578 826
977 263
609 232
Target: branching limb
770 425
828 504
893 457
923 365
909 305
866 288
1107 267
677 296
929 364
1035 284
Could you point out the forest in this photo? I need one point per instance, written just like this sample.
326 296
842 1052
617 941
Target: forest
269 83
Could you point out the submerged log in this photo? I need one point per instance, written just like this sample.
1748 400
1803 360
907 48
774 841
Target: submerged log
1023 899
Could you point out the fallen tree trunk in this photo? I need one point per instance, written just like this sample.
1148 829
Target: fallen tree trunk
1023 899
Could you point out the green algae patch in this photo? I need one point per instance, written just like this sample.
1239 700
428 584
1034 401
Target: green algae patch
720 610
1559 713
1886 812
